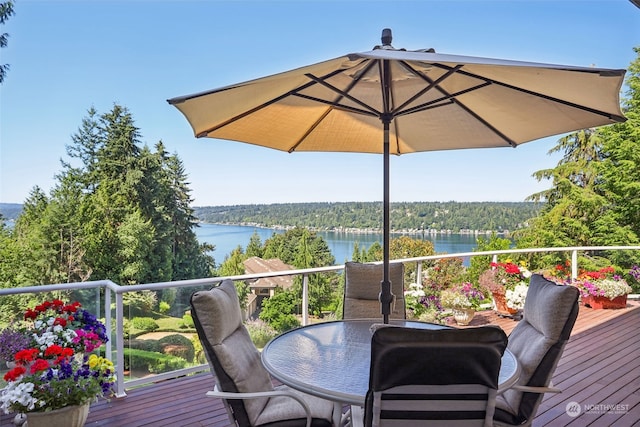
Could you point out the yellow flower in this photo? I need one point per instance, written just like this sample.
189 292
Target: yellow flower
93 361
100 363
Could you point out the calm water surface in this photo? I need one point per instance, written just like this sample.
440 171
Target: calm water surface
228 237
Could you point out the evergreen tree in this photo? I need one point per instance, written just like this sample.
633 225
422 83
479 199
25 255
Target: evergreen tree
6 10
117 212
254 248
190 258
32 237
621 173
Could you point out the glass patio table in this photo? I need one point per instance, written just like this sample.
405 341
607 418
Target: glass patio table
331 359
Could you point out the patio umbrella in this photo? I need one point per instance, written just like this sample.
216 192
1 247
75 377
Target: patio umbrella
394 101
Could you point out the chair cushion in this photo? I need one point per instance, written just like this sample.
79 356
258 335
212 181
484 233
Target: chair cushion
362 290
238 366
282 408
228 347
537 341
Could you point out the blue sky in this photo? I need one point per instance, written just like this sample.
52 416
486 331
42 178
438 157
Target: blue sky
69 56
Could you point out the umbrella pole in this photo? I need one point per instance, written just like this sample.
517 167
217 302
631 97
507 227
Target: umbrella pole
385 286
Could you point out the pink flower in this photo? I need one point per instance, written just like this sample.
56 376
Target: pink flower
89 339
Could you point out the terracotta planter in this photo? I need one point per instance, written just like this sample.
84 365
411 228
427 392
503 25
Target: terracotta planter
600 302
463 316
69 416
501 305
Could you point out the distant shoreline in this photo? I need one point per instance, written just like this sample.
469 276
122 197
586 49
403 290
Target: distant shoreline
353 230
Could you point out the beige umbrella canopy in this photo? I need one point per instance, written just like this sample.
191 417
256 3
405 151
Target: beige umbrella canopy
394 101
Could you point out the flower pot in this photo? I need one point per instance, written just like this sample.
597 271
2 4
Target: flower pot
501 305
69 416
601 302
463 315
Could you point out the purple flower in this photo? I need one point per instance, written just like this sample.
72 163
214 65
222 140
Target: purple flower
92 324
12 341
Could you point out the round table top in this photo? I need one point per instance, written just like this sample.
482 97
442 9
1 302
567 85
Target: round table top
331 359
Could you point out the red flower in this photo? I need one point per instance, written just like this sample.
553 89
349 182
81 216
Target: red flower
60 321
15 373
30 314
53 350
39 365
511 268
71 308
26 355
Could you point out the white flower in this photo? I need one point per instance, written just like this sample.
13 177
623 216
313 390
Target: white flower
18 392
613 288
515 298
415 290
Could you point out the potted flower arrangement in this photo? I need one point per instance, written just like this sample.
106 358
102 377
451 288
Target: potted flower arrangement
602 289
421 306
507 278
55 374
463 300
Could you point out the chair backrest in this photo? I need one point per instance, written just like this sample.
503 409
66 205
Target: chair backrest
362 290
230 352
443 377
550 311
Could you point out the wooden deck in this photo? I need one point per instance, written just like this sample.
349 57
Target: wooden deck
600 368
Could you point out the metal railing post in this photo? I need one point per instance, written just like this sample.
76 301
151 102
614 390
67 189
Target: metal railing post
120 346
305 299
108 323
574 264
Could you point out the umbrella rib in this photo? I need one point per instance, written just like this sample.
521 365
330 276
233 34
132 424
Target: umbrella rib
335 104
293 92
437 102
610 116
344 94
338 106
309 130
432 83
614 117
448 99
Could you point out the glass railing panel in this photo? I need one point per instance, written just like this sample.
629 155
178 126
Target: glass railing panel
159 333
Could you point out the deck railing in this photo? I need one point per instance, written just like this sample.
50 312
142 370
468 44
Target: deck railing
109 299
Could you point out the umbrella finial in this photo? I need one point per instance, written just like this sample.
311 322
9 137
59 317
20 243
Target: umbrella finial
386 37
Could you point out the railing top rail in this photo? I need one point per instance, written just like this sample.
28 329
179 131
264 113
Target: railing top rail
60 287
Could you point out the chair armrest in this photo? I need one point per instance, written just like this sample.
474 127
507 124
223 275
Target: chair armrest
255 395
532 389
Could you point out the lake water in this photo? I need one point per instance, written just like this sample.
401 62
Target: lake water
228 237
